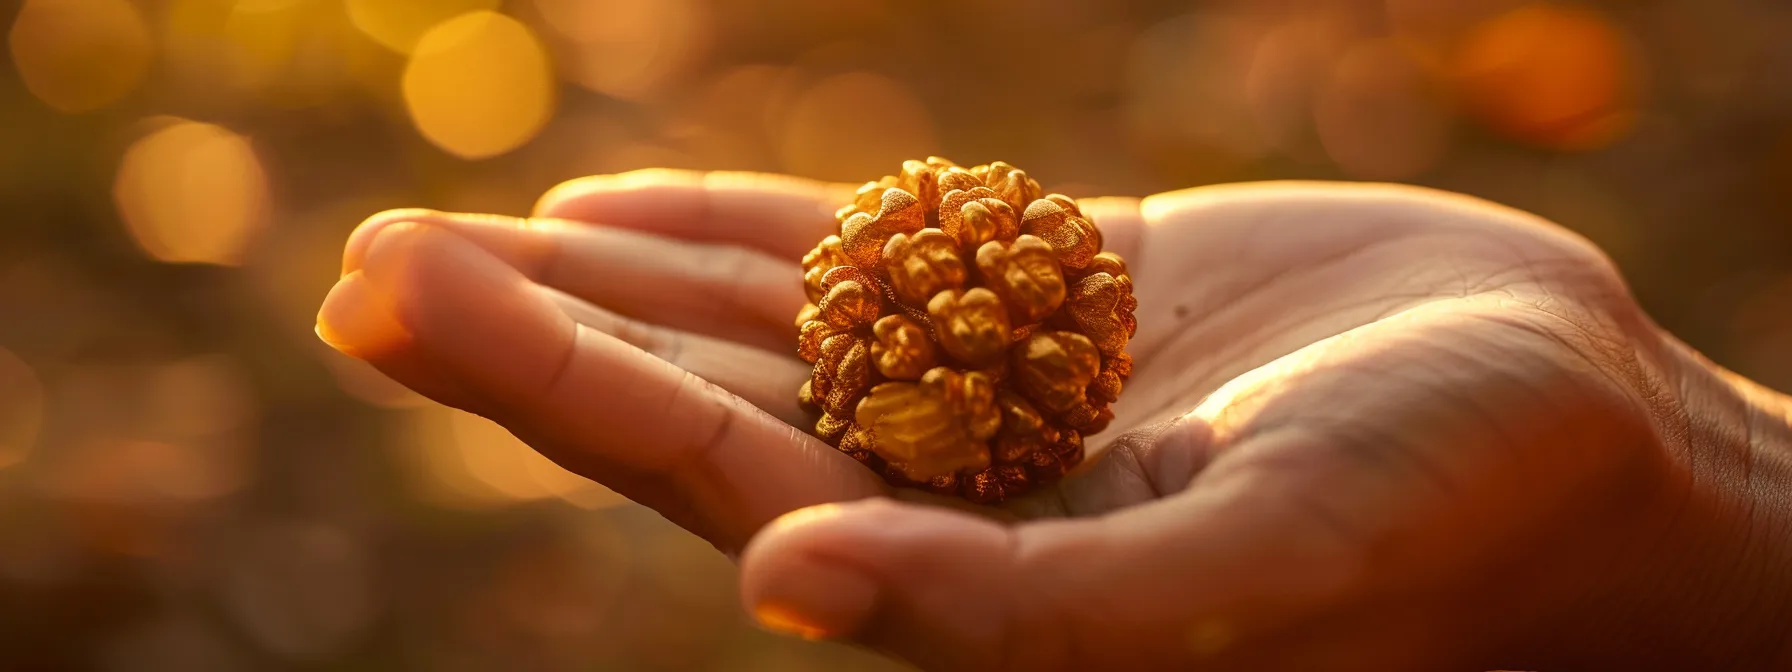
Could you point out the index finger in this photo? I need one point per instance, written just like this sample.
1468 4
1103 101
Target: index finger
428 302
780 215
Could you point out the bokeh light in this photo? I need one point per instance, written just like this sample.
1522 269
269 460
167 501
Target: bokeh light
302 589
181 639
168 433
282 51
1549 74
263 38
1376 118
192 192
879 118
465 461
630 49
1429 29
143 472
195 398
479 85
282 54
1290 66
21 409
80 55
400 26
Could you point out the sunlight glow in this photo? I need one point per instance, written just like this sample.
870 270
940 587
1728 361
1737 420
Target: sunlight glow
80 55
479 85
192 193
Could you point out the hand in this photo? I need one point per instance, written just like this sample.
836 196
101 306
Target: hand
1369 426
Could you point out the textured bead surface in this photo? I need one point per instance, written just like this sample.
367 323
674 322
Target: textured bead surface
967 331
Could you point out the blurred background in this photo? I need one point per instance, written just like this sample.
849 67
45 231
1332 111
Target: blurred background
189 480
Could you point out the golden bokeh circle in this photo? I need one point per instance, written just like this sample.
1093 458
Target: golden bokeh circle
629 49
400 24
80 55
479 85
1549 75
192 193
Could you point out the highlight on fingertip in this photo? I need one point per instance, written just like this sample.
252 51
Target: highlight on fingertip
804 516
356 323
785 621
574 189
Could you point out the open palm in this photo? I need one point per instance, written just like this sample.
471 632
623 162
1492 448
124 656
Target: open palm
1354 408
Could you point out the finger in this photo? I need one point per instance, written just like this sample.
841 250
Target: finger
953 591
602 408
357 321
723 291
760 378
779 215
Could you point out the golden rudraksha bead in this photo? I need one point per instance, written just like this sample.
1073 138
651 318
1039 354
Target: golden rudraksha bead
967 331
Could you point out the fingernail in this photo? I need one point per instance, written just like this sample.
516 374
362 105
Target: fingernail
816 600
354 253
356 322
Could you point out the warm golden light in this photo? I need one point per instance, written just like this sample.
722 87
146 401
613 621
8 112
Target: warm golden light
170 432
1290 63
195 398
265 39
360 380
400 24
295 264
21 409
629 49
878 117
1550 75
80 55
780 619
192 192
1375 118
142 471
466 461
193 478
1209 637
283 54
479 85
805 516
1188 92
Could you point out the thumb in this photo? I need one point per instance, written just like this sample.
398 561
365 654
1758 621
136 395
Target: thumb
1170 581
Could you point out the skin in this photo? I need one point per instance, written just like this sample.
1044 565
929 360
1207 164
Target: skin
1371 427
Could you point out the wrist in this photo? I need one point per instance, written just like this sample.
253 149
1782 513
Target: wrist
1683 559
1726 586
1760 581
